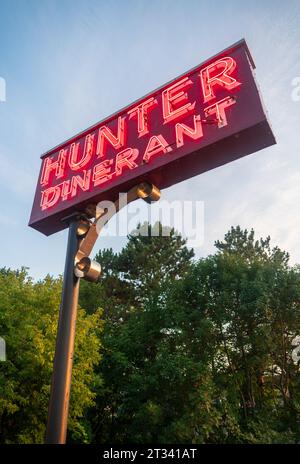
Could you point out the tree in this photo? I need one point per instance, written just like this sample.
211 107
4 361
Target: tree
252 298
184 350
28 323
141 272
198 351
136 402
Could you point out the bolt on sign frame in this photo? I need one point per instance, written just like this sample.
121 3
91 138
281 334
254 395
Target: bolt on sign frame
208 116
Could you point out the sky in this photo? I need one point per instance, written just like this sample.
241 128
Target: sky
68 64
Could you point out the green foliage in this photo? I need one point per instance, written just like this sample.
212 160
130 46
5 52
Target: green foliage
198 351
184 350
28 323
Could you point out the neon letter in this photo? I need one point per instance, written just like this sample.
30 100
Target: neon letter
194 133
218 73
102 172
82 182
87 153
105 134
157 144
141 112
50 165
65 190
70 188
50 197
126 159
218 109
174 95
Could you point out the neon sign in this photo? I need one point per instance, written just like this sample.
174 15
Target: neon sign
205 118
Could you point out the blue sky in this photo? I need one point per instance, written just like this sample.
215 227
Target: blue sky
68 64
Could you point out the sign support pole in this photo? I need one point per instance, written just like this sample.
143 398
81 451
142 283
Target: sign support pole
63 361
81 239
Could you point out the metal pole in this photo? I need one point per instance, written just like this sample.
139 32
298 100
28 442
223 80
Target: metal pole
63 361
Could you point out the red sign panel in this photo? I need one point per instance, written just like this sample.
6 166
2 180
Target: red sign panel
205 118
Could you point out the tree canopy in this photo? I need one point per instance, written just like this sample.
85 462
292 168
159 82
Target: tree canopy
169 348
28 324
